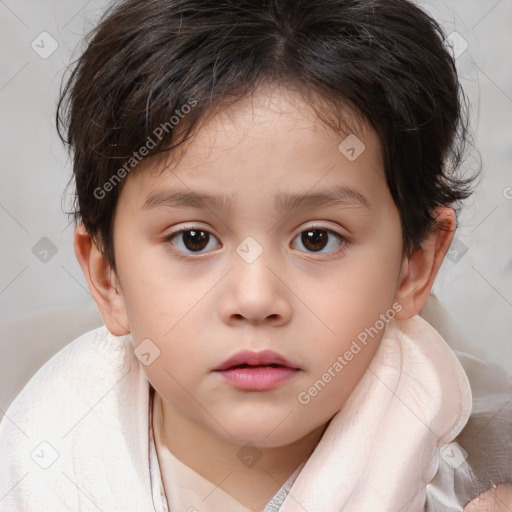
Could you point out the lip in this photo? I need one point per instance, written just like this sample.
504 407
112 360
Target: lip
262 358
258 374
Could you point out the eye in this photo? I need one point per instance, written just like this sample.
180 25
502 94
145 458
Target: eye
315 238
195 240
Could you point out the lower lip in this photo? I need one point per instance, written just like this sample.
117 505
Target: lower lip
259 378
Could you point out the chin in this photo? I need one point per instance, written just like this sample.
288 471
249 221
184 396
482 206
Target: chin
261 432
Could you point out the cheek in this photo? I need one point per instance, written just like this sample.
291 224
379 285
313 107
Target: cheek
362 290
174 380
179 363
356 306
157 295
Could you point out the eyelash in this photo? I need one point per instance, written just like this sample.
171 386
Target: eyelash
343 240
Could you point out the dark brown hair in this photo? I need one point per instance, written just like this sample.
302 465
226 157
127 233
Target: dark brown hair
148 59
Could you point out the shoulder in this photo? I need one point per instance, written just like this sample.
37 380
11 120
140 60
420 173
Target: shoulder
80 418
71 402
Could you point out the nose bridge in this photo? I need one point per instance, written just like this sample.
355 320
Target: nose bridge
251 262
254 289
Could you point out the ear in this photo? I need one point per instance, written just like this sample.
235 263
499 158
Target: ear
102 282
419 270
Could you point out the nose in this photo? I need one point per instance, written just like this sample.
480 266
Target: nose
255 292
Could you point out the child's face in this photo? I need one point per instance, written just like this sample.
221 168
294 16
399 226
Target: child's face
306 298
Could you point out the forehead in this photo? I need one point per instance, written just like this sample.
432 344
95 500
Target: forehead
270 142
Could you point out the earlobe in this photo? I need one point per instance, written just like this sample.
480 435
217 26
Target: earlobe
101 280
419 271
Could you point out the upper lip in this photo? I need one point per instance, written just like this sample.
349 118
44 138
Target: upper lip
264 357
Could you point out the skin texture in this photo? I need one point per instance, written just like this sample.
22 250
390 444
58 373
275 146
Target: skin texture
496 499
303 301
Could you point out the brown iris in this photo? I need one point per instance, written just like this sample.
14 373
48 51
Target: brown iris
195 240
314 239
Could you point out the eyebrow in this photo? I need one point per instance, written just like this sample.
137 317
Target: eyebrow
181 199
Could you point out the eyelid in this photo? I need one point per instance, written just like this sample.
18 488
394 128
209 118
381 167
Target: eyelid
336 231
194 227
322 226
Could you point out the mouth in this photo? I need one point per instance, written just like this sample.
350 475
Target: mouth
257 371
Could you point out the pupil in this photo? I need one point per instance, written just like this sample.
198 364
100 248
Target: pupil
314 237
195 240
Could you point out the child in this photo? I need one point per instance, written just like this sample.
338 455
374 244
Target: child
265 194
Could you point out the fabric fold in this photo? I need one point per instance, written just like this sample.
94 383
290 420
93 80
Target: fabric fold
382 449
